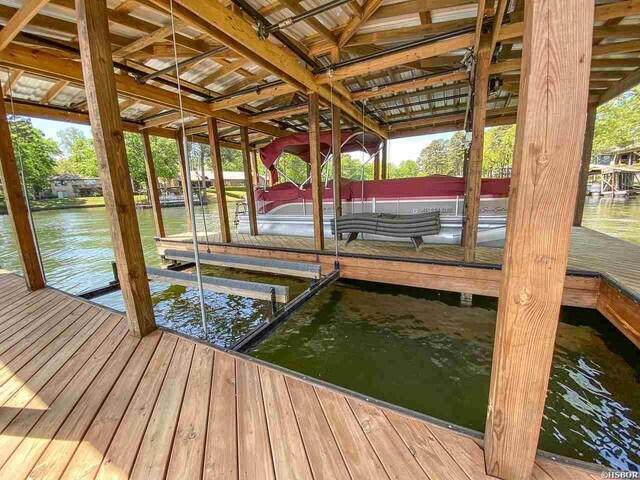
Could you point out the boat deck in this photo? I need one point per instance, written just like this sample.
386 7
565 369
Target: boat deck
83 399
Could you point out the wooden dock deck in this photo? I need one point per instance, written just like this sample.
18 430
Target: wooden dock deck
82 399
603 272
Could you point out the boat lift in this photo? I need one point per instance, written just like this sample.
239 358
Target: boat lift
275 293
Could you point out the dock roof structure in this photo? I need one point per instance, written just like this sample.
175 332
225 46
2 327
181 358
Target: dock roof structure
400 63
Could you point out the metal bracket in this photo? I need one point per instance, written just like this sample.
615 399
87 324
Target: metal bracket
263 33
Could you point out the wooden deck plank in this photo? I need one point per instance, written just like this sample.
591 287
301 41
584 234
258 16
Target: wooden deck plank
42 316
25 374
21 311
324 455
93 444
187 455
221 456
289 456
464 450
49 381
69 439
432 457
393 453
121 455
59 450
360 457
254 450
41 425
153 457
14 294
59 324
96 402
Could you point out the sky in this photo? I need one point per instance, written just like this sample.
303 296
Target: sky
399 149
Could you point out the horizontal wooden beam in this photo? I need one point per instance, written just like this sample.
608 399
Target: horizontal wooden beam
411 85
281 113
257 94
48 65
228 286
619 88
450 123
579 291
400 58
81 118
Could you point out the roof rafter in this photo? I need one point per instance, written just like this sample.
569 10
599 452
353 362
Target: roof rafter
19 20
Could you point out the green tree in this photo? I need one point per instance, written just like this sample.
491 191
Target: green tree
231 160
36 154
79 155
432 159
499 144
618 123
443 156
165 157
405 169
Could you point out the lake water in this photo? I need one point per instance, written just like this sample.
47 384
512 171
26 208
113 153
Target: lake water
411 347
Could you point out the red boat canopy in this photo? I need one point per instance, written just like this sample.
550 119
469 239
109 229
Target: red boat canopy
298 144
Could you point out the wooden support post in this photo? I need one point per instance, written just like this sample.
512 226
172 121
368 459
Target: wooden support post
17 206
246 162
254 168
152 184
554 91
376 166
184 176
106 125
473 170
587 149
216 159
336 149
316 170
383 165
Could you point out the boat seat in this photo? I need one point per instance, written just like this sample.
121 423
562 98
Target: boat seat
282 267
259 291
389 225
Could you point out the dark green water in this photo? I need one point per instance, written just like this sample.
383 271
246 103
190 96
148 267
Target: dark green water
410 347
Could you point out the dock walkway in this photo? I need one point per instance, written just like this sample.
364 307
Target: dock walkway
80 398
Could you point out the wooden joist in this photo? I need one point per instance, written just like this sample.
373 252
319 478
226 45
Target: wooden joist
268 265
227 286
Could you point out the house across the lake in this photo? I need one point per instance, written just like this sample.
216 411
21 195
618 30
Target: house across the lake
72 186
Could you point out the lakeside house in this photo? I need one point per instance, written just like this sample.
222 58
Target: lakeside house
629 157
73 186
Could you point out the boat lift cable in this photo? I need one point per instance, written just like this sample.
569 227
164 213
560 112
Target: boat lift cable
24 186
202 210
194 230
